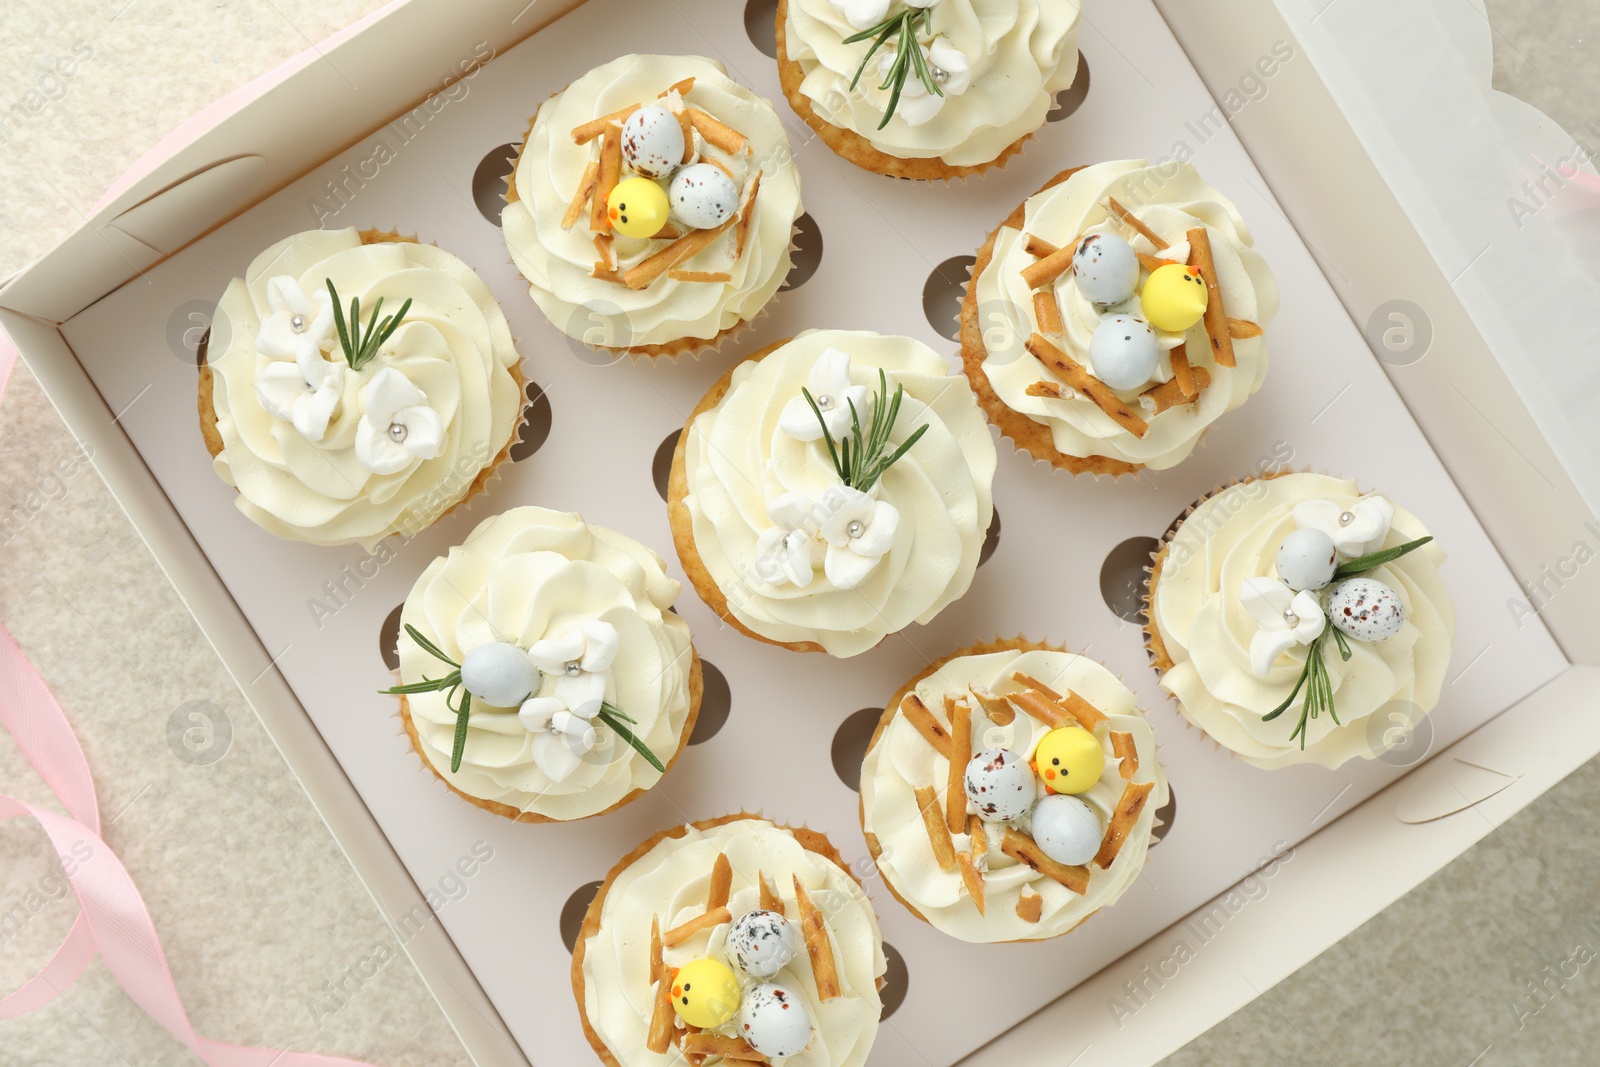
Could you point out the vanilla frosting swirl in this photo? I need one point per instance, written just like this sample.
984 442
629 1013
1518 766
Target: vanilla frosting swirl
1019 53
1382 689
454 345
902 760
557 261
1170 199
737 460
670 882
529 574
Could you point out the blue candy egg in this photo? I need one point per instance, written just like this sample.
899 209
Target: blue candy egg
1124 351
1106 269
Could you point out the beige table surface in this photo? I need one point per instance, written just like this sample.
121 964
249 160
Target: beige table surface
1492 961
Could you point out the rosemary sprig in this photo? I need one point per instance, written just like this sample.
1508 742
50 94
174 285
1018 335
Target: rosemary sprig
1350 568
359 348
862 465
614 718
908 57
448 684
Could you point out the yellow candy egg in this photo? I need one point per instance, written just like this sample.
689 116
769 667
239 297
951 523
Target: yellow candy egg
1174 297
705 993
1069 759
637 207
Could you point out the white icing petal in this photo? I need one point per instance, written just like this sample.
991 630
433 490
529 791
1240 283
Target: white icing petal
279 387
1265 648
557 754
1368 526
945 56
864 13
600 644
581 693
397 427
1266 599
830 387
552 654
277 338
1271 603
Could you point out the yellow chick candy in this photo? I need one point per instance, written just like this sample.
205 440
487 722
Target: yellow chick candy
637 207
705 993
1069 759
1173 298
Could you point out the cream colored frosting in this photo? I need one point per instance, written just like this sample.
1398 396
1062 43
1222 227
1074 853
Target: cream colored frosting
557 262
1019 53
1170 199
530 574
670 882
738 460
901 761
454 345
1384 687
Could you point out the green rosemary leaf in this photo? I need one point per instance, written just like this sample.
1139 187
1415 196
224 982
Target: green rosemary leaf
1355 566
427 685
627 735
461 728
887 26
428 646
861 454
896 79
887 29
924 73
1344 645
826 436
338 321
1305 672
355 330
612 709
884 465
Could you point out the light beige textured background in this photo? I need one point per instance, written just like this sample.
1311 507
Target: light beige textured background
1493 961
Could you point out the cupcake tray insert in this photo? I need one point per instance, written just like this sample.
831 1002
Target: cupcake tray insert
323 614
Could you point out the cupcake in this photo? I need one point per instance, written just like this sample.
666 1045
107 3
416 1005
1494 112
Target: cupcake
730 941
543 676
833 489
926 88
1010 791
368 385
1296 619
652 206
1115 315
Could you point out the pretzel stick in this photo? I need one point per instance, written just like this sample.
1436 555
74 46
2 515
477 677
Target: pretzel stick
657 968
683 248
1040 707
1133 222
968 860
688 134
1180 371
944 850
1049 390
1149 262
932 731
669 232
659 1037
605 181
685 930
818 947
716 133
1239 329
955 795
723 167
607 248
1087 714
605 274
770 900
1038 246
1043 272
729 1048
1025 850
1216 317
741 229
681 88
1168 394
1085 383
580 199
996 708
1122 820
595 127
721 883
1034 683
1029 907
1122 745
699 275
1047 311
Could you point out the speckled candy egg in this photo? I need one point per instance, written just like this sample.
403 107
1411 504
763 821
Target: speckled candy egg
703 196
1106 269
761 943
499 673
1066 829
1366 609
1000 784
1307 559
774 1021
652 142
1124 351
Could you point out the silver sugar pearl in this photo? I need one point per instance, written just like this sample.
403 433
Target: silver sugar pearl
1346 518
574 669
397 432
855 528
298 324
825 402
940 75
1291 618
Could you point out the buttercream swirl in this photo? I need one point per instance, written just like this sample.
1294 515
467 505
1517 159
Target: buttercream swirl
312 481
738 462
1170 199
524 576
558 261
902 760
1384 688
1018 55
670 882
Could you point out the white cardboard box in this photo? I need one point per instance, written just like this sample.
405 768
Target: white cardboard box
97 317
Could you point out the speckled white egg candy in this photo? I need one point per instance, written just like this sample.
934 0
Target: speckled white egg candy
1124 351
703 196
1066 829
1106 269
652 142
499 673
761 943
1366 609
1000 785
774 1021
1307 559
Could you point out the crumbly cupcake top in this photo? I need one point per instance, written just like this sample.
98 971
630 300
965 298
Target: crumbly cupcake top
1306 621
1126 314
550 640
733 940
1012 794
820 527
656 200
981 75
362 389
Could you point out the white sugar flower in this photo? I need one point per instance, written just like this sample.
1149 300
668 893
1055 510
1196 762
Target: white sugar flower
305 392
293 316
560 737
862 13
829 384
858 530
397 425
784 551
1356 530
579 661
1286 618
951 70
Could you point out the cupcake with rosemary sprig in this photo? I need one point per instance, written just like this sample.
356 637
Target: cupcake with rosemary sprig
926 88
1296 619
366 385
543 676
833 489
652 206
